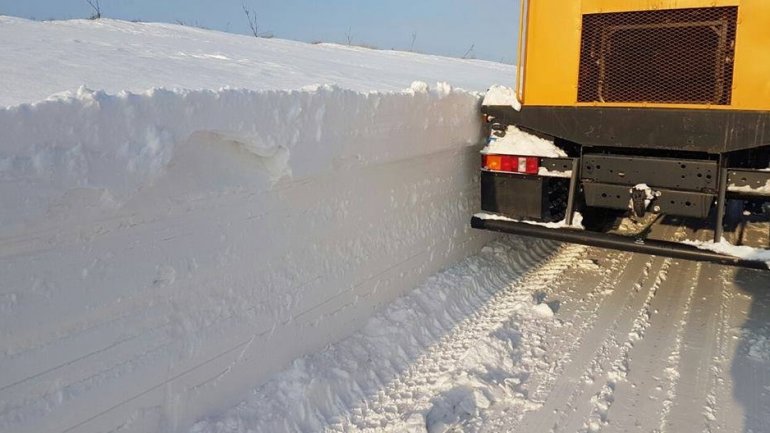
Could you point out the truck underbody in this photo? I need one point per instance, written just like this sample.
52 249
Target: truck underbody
704 170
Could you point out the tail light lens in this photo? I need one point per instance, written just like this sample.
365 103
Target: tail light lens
533 165
510 163
493 162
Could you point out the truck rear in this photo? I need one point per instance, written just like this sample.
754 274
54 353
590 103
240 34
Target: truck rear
638 115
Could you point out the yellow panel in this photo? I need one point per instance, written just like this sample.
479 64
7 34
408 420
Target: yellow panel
605 6
751 79
553 52
552 57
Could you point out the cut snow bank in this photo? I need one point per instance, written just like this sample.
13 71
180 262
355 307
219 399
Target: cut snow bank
162 252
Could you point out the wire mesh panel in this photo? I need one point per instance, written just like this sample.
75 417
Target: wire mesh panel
662 56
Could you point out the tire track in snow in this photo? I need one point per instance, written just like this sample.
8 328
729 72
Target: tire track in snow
716 381
560 378
578 311
565 345
693 408
618 372
637 402
613 362
598 349
441 367
675 356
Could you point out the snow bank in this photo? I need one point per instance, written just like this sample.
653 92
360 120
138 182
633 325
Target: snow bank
104 148
165 251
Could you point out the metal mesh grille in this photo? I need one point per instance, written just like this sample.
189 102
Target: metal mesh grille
663 56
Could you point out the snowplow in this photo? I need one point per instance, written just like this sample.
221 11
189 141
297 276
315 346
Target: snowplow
638 125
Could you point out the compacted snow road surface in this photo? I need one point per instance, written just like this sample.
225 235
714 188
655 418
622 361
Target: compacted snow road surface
533 336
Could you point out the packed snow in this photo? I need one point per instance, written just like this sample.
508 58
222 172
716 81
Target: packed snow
740 251
577 221
545 172
501 95
543 311
186 211
649 195
764 189
520 143
758 344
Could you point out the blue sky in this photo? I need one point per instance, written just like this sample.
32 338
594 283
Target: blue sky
446 27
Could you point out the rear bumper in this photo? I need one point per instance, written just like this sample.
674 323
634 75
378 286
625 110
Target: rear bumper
613 241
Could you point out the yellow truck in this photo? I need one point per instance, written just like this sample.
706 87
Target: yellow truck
660 110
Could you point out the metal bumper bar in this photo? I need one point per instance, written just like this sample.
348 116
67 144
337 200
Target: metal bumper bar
617 242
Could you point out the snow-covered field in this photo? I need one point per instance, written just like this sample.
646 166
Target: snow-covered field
192 210
39 59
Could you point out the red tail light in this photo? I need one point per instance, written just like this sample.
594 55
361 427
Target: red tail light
533 165
508 163
512 164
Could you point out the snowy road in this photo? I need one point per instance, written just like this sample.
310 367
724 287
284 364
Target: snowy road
531 336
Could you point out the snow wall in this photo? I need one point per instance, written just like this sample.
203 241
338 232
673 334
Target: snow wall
163 253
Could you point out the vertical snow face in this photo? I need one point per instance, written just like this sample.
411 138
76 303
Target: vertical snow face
163 253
